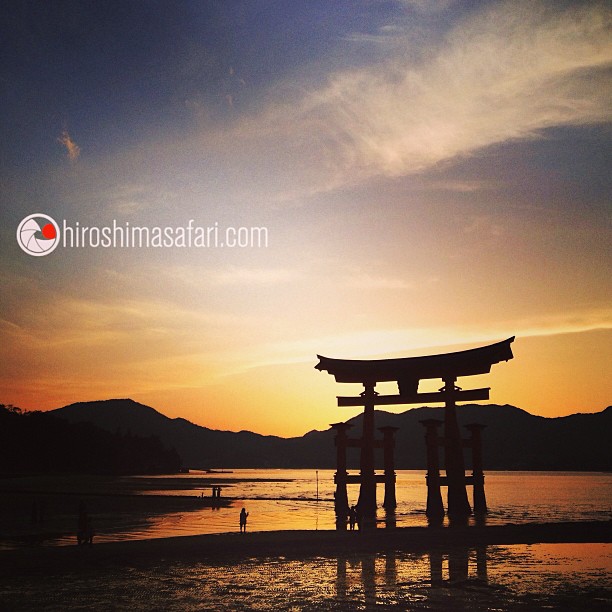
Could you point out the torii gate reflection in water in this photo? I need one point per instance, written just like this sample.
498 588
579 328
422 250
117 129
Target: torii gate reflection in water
407 372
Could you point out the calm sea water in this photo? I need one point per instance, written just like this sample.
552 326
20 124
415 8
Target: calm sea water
513 497
303 499
275 500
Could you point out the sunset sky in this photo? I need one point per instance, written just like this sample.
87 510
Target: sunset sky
433 175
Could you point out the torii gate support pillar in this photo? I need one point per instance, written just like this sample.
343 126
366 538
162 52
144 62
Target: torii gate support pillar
367 492
435 507
480 501
341 476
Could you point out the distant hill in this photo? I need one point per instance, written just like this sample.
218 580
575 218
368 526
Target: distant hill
513 439
41 442
199 447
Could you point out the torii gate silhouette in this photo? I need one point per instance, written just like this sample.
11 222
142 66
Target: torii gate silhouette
407 372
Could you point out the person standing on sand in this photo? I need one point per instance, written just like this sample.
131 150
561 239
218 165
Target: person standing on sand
243 520
352 518
85 532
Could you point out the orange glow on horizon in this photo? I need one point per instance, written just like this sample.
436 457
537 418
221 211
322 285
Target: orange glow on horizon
291 399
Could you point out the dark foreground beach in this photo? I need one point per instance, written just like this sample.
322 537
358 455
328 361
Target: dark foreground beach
560 566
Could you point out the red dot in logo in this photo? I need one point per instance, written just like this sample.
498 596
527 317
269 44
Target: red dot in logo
48 231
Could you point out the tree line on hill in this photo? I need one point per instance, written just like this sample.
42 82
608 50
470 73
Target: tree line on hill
42 442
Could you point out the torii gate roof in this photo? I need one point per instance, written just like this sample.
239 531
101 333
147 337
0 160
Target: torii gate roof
461 363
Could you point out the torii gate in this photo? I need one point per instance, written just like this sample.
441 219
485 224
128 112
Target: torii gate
407 372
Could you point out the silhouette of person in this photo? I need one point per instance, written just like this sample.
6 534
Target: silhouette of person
89 534
243 520
85 532
81 524
352 518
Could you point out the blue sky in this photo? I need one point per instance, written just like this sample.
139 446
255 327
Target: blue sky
432 174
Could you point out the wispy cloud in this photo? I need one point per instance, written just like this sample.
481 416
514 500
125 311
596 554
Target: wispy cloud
506 73
462 186
384 343
72 148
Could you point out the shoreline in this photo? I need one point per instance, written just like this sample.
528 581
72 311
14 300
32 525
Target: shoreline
302 543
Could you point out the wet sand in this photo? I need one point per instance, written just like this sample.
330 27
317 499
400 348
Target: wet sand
291 544
47 517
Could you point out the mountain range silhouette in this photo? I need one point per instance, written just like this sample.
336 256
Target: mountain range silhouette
512 440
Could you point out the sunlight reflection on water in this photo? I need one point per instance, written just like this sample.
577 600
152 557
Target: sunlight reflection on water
513 497
291 502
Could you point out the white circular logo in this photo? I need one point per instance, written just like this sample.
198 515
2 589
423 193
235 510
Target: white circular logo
38 235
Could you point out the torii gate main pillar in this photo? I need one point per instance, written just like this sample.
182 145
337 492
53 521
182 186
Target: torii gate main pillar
367 490
458 504
390 502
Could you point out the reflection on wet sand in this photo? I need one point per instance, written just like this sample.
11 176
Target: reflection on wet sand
458 565
463 563
557 576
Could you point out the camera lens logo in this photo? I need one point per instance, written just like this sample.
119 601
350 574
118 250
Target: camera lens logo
38 235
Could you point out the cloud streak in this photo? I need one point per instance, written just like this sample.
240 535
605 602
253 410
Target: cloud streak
385 343
507 73
72 148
